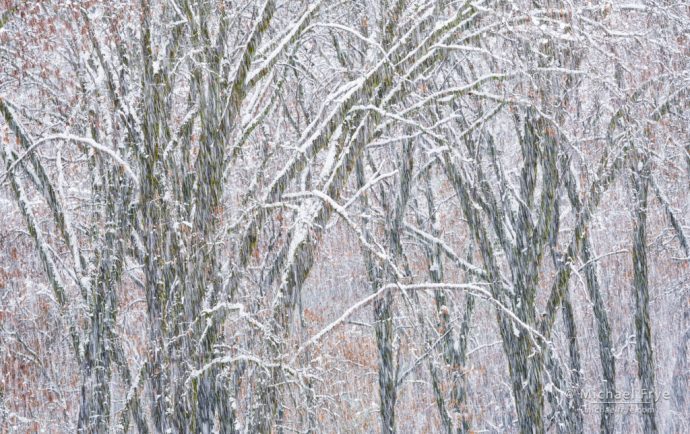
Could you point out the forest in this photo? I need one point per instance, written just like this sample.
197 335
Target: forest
344 216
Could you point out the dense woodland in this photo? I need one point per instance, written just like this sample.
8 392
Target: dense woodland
333 216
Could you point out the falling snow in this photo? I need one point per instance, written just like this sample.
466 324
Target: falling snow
363 216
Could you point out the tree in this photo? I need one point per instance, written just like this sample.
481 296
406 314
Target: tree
261 216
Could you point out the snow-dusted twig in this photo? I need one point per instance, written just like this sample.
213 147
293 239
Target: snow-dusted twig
84 140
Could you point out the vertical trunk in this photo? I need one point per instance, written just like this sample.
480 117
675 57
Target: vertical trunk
152 228
568 408
454 348
383 307
458 392
575 412
113 200
525 372
446 421
383 323
559 407
643 332
524 361
94 412
383 327
608 363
